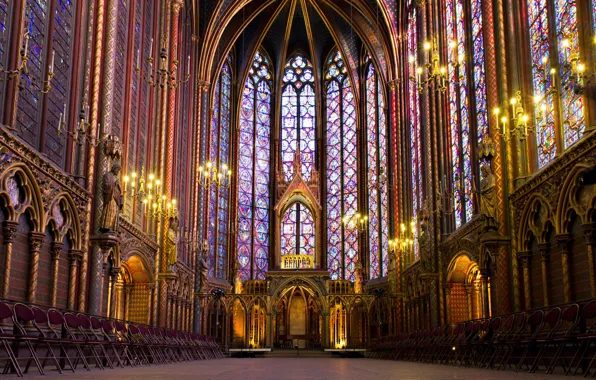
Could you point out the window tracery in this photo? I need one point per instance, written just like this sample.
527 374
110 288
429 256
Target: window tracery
254 157
342 170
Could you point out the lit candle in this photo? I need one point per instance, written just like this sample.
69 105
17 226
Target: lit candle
151 49
504 122
496 112
188 65
513 101
52 62
552 76
138 59
418 74
544 64
580 70
26 42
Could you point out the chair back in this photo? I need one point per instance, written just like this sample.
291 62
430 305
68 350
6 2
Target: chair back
5 312
588 314
22 315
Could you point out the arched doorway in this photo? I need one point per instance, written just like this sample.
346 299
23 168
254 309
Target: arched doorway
133 291
464 290
238 315
298 319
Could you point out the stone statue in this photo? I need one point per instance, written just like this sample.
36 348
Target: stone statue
112 200
488 197
358 279
171 240
203 268
238 283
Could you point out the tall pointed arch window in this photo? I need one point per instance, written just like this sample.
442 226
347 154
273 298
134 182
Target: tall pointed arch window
254 156
414 120
298 231
467 99
5 11
543 29
342 177
219 154
376 158
298 115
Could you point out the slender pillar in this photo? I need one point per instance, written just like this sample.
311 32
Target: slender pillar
563 241
544 249
74 258
35 240
56 251
525 257
448 306
468 290
128 294
150 314
590 235
9 229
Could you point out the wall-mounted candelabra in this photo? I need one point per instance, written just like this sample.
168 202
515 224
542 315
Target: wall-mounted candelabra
356 221
162 76
520 125
82 133
148 192
209 176
44 85
432 71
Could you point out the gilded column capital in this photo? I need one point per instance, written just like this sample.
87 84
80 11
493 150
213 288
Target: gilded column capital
589 230
114 272
56 249
75 255
544 249
177 5
393 84
9 230
35 240
563 242
524 257
203 85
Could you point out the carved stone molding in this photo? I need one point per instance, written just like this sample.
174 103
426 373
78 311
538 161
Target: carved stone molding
544 249
9 230
563 242
56 250
35 240
589 230
524 257
75 255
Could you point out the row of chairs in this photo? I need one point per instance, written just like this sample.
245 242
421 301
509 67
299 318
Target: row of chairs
545 339
66 341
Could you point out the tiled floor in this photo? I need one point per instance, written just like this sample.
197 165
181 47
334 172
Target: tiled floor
296 368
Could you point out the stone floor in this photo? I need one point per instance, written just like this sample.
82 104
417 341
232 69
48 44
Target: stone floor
293 368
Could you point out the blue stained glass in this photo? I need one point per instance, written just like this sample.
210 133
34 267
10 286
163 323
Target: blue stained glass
253 172
219 154
298 116
342 194
414 120
376 156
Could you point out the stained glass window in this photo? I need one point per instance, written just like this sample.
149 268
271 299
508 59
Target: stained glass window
545 68
254 157
414 120
298 231
29 103
376 156
571 104
459 95
342 177
219 154
4 35
298 115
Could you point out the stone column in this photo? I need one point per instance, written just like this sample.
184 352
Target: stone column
128 294
150 315
103 245
35 240
169 311
485 273
468 290
447 306
544 249
563 241
56 251
74 258
590 235
525 258
114 271
9 229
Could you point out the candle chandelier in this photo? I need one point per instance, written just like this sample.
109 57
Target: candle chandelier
210 176
148 192
425 74
162 75
357 221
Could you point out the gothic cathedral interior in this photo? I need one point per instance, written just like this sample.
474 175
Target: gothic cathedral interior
297 173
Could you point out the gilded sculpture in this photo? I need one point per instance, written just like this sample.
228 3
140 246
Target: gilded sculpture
112 200
171 240
203 267
488 198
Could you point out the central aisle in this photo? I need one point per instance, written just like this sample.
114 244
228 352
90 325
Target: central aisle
293 368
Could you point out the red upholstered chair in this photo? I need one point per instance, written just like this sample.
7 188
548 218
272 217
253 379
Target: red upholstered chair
527 340
23 316
585 339
559 349
71 328
118 348
49 337
551 328
7 340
